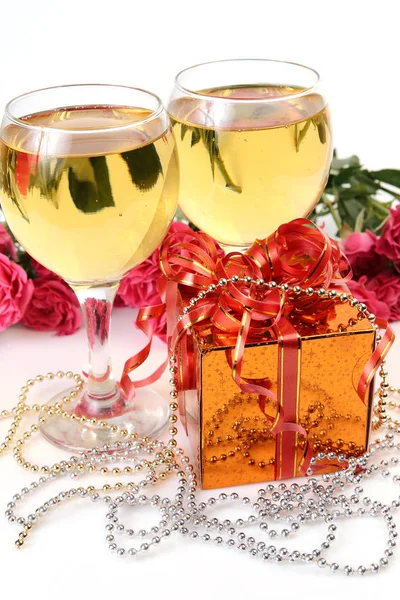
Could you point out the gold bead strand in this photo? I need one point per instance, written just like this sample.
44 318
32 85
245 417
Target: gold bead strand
23 409
381 416
173 406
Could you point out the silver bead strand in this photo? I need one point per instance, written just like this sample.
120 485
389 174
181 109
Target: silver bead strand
309 501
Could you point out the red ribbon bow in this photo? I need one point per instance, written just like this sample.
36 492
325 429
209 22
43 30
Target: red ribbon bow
299 254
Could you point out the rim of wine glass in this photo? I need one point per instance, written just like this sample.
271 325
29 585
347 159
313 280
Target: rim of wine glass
197 94
18 121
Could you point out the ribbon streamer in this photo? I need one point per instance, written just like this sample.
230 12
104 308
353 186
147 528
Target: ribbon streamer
145 322
299 254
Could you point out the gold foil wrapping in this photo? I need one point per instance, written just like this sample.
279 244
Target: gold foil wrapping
231 435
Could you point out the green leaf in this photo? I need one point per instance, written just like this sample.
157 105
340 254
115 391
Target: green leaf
349 210
209 137
83 193
321 123
358 226
89 184
362 185
345 174
390 176
184 129
322 132
379 208
49 175
364 176
210 140
196 137
144 166
340 163
193 227
300 135
102 179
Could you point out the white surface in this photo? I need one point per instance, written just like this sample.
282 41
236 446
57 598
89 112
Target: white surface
67 556
353 44
355 47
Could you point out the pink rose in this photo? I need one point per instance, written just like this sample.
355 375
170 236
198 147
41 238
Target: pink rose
360 249
138 288
388 244
6 243
178 226
15 292
362 291
53 306
386 286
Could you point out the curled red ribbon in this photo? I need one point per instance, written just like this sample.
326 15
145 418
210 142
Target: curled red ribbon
144 321
300 254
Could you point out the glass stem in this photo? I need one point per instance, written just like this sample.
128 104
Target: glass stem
96 304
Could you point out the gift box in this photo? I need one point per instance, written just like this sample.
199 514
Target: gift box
275 359
229 431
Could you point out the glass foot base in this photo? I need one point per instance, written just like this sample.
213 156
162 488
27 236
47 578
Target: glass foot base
146 415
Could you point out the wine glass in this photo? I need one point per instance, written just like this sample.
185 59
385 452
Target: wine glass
89 187
254 146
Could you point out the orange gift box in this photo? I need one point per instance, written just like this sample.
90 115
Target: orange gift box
231 435
275 359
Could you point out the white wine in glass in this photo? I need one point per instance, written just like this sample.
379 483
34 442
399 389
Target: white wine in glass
89 185
254 146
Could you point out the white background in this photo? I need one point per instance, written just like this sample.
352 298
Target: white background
354 45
